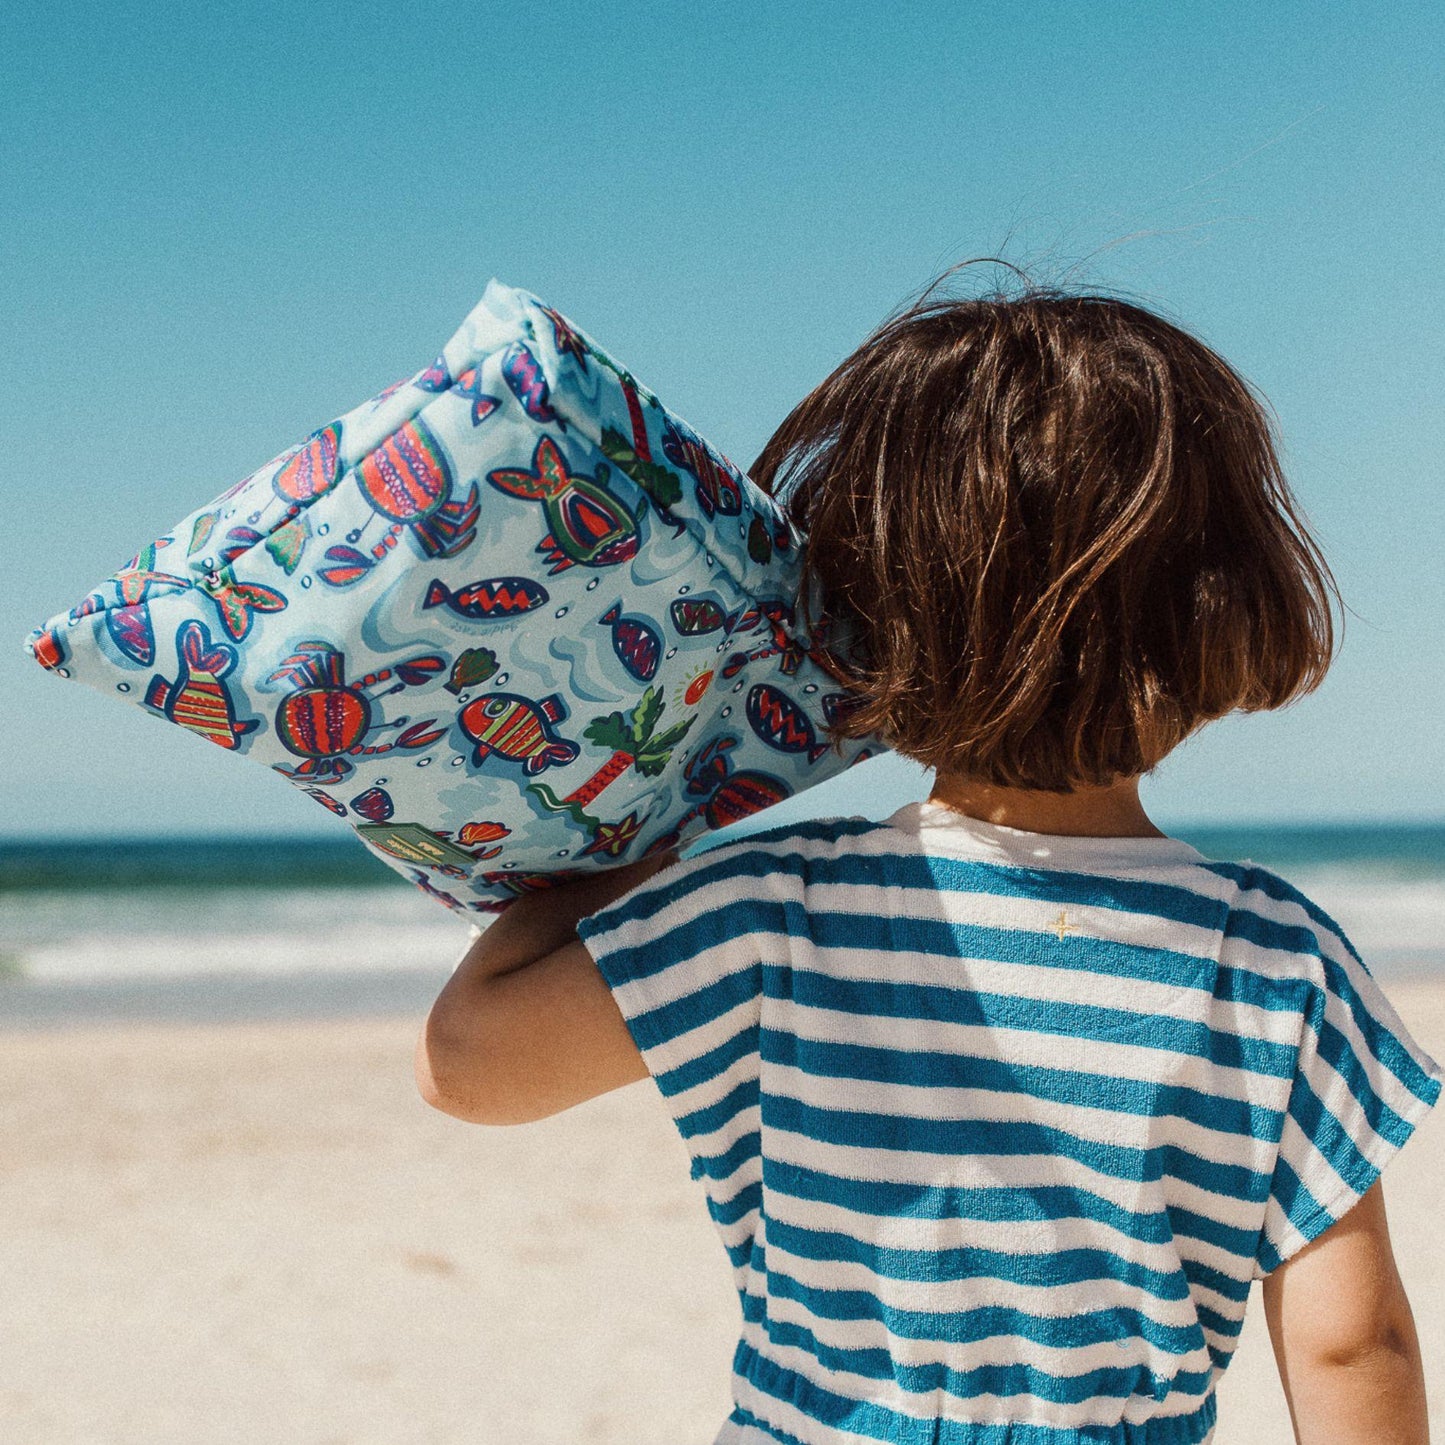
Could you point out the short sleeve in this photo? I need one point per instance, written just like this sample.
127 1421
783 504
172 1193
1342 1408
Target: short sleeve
684 955
1361 1087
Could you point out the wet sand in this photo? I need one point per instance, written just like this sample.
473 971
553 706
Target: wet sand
258 1231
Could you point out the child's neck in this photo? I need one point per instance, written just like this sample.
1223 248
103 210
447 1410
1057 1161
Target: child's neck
1111 812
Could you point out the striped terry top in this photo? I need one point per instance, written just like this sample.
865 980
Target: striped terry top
998 1127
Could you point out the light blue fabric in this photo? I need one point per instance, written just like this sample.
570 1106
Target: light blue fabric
510 618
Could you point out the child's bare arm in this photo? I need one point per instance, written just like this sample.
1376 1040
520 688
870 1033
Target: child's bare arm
526 1026
1344 1337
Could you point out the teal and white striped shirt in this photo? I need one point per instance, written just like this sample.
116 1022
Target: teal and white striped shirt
998 1127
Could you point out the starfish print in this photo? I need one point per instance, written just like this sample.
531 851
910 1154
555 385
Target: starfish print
614 838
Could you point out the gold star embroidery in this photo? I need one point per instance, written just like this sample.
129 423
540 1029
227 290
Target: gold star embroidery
1061 926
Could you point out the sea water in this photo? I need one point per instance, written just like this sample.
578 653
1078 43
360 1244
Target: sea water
298 926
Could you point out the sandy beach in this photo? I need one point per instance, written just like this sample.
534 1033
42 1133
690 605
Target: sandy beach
247 1231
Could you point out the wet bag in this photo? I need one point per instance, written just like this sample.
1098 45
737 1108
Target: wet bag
511 619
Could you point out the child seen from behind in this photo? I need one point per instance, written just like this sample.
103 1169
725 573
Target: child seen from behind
1001 1104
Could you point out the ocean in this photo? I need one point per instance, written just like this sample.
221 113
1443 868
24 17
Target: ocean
202 929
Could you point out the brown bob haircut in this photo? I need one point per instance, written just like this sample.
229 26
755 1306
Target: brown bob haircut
1055 532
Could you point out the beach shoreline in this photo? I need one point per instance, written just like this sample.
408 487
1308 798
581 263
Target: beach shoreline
252 1229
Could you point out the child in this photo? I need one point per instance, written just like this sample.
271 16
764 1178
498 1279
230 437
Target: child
1001 1104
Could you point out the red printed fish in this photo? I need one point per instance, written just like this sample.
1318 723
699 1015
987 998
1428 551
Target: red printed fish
502 722
469 385
314 468
696 616
588 524
437 377
198 699
636 643
717 488
374 804
495 599
238 602
781 723
129 624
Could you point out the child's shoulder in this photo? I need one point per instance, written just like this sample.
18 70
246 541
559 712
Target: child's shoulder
1289 913
782 861
757 870
808 836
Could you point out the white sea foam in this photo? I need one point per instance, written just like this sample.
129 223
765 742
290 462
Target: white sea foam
166 933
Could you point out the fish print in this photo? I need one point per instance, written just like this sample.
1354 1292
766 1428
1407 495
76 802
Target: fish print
588 524
696 616
130 630
469 385
437 377
495 599
502 722
717 488
374 805
198 699
699 616
781 723
129 624
742 795
636 643
744 620
475 665
524 375
238 602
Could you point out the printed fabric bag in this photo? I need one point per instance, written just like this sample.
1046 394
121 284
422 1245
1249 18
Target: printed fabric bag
511 619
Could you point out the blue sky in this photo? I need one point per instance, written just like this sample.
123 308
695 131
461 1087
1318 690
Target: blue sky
227 224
